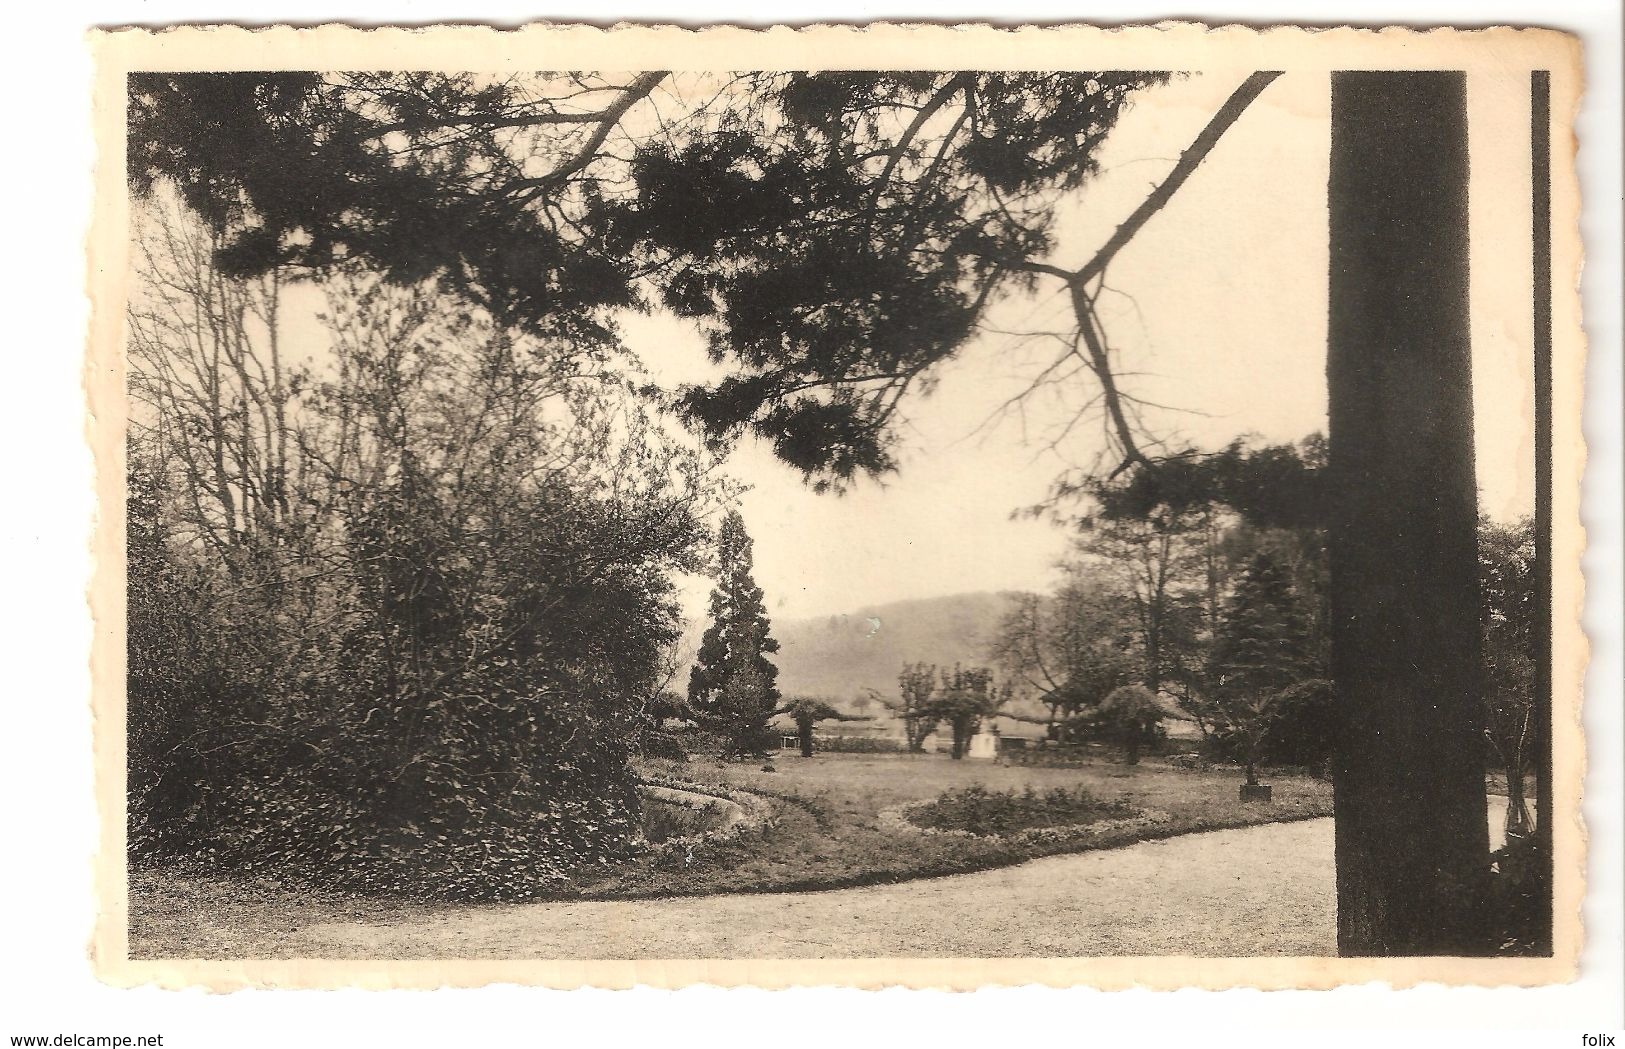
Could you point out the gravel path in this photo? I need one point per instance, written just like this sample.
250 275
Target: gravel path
1255 890
1264 890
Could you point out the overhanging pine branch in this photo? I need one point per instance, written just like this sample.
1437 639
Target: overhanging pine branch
1100 364
606 119
1083 305
1194 154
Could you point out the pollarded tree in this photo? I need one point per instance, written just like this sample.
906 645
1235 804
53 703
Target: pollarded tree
737 642
915 685
1131 717
968 695
807 712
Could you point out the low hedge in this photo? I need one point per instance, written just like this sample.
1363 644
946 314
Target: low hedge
858 745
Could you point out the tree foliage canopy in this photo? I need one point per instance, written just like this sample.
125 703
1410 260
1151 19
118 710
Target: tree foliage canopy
838 234
1072 648
1263 643
916 684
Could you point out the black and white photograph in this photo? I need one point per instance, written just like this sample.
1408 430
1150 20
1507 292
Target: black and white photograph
915 507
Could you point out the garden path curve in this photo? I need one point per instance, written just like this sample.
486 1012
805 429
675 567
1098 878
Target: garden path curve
1263 890
1255 890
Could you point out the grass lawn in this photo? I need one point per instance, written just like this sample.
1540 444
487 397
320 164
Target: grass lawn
826 834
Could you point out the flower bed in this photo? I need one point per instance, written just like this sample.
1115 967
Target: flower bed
1024 818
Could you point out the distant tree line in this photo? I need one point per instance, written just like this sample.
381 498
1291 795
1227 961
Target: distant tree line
1207 581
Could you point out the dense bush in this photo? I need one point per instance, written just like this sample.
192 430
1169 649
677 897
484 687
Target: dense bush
395 631
1301 732
487 769
1304 729
666 746
984 812
185 684
1048 754
1516 900
664 820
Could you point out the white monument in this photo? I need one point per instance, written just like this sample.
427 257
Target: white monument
985 744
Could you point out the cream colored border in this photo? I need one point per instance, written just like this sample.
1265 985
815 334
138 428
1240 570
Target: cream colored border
1169 46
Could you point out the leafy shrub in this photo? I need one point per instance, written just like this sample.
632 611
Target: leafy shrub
663 745
664 820
1516 901
1301 731
977 810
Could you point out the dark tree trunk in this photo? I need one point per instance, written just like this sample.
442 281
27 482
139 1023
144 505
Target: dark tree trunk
1518 823
1540 145
804 731
1412 835
1153 654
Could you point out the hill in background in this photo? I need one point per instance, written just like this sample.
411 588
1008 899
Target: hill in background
841 656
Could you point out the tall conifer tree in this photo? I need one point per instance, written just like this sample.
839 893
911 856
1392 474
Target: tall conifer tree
1263 642
1262 649
732 675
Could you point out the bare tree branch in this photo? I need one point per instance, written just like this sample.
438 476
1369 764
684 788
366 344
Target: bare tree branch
608 117
1083 303
1193 155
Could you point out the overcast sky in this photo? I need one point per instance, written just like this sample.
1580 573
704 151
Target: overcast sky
1223 310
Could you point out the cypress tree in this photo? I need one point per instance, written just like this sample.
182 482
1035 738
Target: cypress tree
732 675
